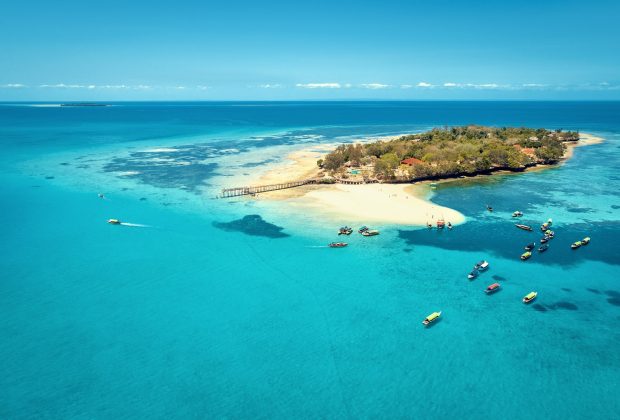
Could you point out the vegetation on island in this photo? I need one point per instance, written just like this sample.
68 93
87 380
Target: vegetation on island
448 152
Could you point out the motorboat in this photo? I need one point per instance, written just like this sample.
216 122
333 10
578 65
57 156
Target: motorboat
530 246
431 318
576 245
481 265
473 274
492 288
517 214
370 232
345 230
362 229
543 248
440 224
114 221
544 239
585 241
524 227
526 255
338 244
530 297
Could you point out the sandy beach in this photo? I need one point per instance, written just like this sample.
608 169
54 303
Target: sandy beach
403 204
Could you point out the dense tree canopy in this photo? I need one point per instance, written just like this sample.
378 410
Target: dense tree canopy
452 151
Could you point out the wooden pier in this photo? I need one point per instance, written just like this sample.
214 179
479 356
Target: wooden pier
236 192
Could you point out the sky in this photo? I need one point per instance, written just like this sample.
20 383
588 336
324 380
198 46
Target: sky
316 50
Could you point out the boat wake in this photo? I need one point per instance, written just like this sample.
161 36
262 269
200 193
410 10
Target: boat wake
317 246
134 225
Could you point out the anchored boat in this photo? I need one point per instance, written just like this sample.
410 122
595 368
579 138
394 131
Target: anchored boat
517 214
440 224
492 288
543 248
481 265
431 318
526 255
472 275
530 297
585 241
530 246
345 230
370 232
524 227
576 245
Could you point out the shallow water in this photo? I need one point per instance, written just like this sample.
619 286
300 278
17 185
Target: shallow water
206 312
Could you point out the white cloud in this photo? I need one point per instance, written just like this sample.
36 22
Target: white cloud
13 86
406 86
270 86
319 85
374 86
533 85
180 87
451 84
424 85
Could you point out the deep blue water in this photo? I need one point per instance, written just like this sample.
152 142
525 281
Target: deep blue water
229 309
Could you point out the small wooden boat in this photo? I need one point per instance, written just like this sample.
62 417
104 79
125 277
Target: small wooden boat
338 244
473 274
492 288
431 318
428 225
549 233
370 232
544 227
440 224
345 231
544 240
585 241
524 227
489 208
526 255
530 246
517 214
543 248
362 229
449 225
114 221
530 297
576 245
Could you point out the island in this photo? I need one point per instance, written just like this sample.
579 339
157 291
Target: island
447 152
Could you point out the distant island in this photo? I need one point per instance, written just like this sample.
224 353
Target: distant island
84 104
446 153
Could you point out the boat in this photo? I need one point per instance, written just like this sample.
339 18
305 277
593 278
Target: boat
549 221
530 246
544 239
338 244
526 255
576 245
524 227
362 229
370 232
517 214
585 241
449 225
530 297
114 221
428 225
472 275
440 224
544 227
549 233
489 208
492 288
345 231
431 318
481 265
543 248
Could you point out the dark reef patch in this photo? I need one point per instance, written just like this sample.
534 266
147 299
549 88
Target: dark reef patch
579 210
614 297
538 307
49 177
498 278
407 250
615 206
565 305
143 198
255 164
598 292
566 289
253 225
500 237
65 164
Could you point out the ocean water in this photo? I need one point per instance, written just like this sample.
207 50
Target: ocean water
204 308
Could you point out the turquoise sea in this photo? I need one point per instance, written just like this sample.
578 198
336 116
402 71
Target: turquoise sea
201 308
